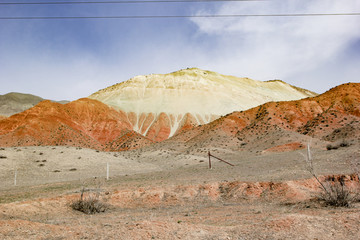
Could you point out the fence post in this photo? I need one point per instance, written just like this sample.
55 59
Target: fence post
210 155
209 159
107 171
15 176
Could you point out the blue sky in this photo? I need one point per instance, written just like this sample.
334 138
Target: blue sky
70 59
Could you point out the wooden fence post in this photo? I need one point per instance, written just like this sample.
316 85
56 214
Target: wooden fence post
210 155
15 177
209 159
107 171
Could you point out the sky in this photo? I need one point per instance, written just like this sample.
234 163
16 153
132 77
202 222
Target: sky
67 59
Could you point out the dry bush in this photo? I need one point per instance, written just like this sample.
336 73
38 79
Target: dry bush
343 143
333 193
331 147
90 204
337 194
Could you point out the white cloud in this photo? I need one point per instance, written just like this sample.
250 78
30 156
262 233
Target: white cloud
68 60
281 47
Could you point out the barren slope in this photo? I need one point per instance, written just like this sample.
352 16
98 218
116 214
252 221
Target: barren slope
332 116
82 123
160 105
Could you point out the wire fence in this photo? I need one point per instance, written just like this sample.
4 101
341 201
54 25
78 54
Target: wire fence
23 177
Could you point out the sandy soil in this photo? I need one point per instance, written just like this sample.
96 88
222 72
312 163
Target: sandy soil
171 194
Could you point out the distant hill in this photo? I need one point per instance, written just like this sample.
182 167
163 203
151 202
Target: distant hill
160 105
12 103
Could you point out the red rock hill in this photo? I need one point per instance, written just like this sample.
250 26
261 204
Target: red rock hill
82 123
331 116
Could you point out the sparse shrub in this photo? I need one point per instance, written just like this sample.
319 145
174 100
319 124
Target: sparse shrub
335 147
333 193
72 169
332 147
91 204
344 143
329 147
2 156
337 194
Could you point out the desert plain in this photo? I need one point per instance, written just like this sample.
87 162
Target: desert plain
169 194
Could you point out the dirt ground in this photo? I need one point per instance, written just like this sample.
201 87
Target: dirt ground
170 194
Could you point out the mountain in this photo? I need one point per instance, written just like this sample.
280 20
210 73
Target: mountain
274 126
12 103
333 116
160 105
81 123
